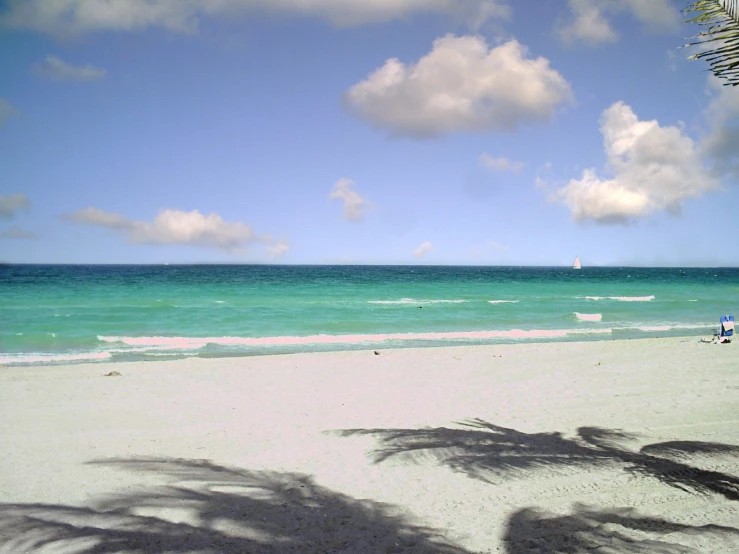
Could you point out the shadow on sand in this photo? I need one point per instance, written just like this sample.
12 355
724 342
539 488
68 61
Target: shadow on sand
489 452
211 508
619 531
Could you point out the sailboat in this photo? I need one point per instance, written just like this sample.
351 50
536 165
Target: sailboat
577 265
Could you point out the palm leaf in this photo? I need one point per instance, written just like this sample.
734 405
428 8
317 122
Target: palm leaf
719 41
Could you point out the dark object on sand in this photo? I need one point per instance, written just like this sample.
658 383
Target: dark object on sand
112 374
376 352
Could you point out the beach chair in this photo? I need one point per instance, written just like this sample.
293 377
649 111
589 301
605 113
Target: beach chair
726 333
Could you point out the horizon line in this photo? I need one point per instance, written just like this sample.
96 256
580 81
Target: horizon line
358 264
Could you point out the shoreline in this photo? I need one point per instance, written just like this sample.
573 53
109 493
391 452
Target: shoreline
487 448
161 348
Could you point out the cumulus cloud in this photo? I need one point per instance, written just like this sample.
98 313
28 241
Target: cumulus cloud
17 232
654 168
461 85
721 145
355 207
179 227
278 249
500 164
76 16
423 249
590 21
58 70
6 112
482 12
100 218
589 24
13 203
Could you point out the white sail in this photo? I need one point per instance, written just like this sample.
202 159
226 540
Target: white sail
577 263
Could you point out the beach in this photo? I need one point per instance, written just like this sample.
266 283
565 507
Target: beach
603 446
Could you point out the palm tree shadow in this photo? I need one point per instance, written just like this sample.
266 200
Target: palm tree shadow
212 508
489 453
480 449
620 531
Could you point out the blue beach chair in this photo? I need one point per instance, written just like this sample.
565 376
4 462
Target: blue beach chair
726 332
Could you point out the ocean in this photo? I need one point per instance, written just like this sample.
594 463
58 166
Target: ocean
86 313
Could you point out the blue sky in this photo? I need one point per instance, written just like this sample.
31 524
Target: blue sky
358 131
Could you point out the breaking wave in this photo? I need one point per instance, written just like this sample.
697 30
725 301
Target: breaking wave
415 301
53 358
622 298
588 317
189 343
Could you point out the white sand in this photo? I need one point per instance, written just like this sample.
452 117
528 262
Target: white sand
612 446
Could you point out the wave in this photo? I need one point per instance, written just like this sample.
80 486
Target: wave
415 301
189 343
621 298
51 358
502 301
670 326
588 317
120 347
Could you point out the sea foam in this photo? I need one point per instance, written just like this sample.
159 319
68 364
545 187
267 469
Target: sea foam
669 326
656 328
187 343
588 317
416 301
52 358
622 298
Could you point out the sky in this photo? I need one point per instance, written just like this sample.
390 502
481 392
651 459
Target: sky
466 132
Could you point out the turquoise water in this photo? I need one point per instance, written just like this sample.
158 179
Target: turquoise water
53 314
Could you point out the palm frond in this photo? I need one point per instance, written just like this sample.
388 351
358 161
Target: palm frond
720 18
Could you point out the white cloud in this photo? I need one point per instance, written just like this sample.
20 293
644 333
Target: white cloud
654 168
588 25
179 227
500 164
75 16
487 11
461 85
13 203
100 218
18 233
355 207
721 145
590 18
423 249
278 249
59 70
658 14
6 112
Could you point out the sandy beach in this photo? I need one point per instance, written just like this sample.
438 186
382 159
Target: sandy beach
609 447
